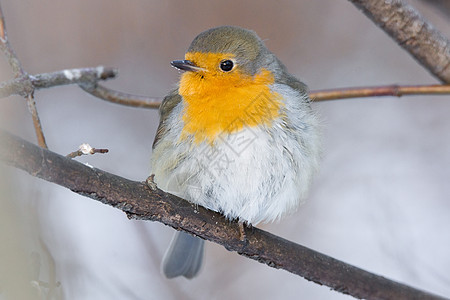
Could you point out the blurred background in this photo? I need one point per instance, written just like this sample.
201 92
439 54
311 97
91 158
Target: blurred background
380 202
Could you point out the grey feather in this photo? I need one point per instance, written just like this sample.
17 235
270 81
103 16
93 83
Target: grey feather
184 256
166 108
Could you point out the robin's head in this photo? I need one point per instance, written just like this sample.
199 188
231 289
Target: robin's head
226 53
225 49
227 76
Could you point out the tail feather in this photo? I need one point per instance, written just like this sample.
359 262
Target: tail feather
184 256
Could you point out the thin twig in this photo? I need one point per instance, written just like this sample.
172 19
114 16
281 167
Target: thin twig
19 73
139 201
87 77
121 98
13 61
412 32
48 80
317 95
2 26
86 149
378 91
36 121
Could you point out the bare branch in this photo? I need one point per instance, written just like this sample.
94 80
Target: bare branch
121 98
86 149
2 26
87 76
139 201
6 48
377 91
317 95
20 73
23 87
36 121
20 86
412 32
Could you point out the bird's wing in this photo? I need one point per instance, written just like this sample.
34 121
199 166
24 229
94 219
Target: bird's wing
167 106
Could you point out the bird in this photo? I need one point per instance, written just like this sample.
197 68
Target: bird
237 135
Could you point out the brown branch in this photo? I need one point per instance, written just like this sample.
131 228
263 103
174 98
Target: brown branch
20 73
377 91
36 121
6 48
412 32
86 149
2 26
25 84
139 201
317 95
48 80
121 98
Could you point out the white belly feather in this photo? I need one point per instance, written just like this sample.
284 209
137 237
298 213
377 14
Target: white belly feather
256 174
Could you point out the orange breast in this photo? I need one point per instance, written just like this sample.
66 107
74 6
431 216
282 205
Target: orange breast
218 102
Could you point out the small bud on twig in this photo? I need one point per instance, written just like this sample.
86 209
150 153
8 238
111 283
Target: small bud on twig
86 149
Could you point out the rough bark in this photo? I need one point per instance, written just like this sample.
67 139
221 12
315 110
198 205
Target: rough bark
412 32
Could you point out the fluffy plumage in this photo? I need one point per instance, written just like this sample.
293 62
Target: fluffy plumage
253 171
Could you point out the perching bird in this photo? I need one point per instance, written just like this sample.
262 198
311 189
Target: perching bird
237 136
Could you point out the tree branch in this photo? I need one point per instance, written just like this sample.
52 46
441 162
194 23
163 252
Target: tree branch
5 46
121 98
64 77
36 121
20 73
86 149
139 201
412 32
316 95
25 85
378 91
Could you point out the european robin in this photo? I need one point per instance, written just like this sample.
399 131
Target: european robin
237 136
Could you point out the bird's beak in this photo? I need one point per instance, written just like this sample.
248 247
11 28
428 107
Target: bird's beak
186 65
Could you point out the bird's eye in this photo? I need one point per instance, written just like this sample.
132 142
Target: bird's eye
226 65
